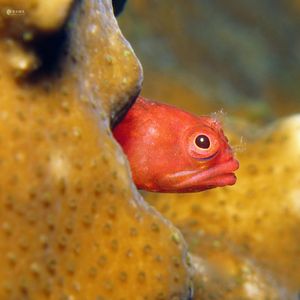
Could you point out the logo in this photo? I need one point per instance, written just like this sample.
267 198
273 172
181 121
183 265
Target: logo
15 12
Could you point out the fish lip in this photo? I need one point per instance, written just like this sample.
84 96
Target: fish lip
220 180
219 175
231 166
222 174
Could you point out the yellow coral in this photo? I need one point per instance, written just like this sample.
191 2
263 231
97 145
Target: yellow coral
34 14
222 272
72 224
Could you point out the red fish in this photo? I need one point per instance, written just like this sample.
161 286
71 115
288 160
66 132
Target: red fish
170 150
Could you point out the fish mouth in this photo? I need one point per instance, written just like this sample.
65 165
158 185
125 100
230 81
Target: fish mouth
217 176
221 175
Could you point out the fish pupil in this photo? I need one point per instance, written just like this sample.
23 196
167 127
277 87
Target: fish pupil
202 141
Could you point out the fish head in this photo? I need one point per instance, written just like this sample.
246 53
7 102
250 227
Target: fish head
211 159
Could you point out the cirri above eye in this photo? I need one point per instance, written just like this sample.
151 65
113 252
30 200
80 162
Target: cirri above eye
202 141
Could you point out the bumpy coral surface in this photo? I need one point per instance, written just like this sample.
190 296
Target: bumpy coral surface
72 224
222 272
260 213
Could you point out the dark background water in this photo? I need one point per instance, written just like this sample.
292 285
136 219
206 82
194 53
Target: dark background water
243 56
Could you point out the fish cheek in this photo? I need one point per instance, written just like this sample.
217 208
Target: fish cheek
177 181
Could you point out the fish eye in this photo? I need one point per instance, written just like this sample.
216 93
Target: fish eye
202 141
